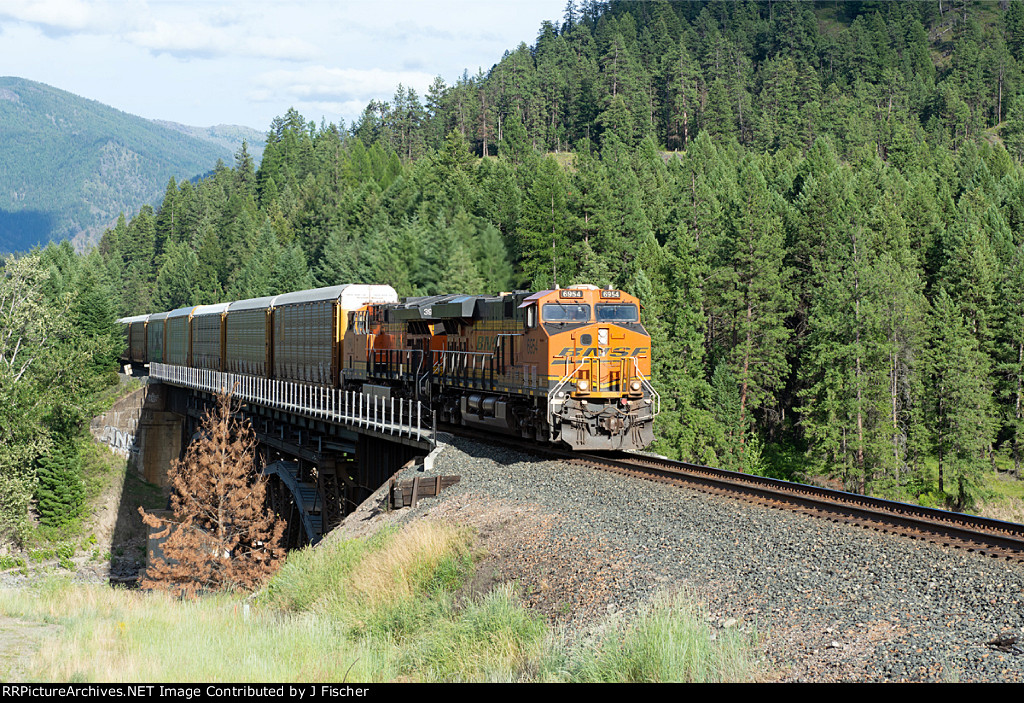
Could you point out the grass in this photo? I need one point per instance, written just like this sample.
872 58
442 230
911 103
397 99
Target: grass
1003 498
668 642
116 635
565 159
393 607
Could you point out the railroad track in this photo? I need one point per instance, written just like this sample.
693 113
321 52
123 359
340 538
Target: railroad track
994 538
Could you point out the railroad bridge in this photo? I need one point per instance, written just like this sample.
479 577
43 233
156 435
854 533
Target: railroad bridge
324 450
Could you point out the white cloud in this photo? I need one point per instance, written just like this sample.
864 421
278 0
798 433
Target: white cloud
183 31
195 38
202 38
337 85
285 48
60 15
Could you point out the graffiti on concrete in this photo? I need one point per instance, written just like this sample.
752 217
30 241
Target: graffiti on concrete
121 442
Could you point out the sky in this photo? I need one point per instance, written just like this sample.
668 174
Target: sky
245 62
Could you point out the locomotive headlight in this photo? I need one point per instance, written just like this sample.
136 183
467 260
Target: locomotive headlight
582 385
634 386
602 336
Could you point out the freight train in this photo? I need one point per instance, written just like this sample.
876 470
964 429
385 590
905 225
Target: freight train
567 366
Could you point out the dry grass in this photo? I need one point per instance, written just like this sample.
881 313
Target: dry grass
405 567
1006 509
1004 499
362 610
115 635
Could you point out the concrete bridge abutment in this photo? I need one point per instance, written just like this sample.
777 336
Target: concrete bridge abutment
140 428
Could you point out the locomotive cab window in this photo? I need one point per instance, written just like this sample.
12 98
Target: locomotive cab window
617 312
557 312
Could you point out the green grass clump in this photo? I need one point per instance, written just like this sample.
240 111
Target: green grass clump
11 562
311 576
491 639
669 642
40 555
395 594
391 591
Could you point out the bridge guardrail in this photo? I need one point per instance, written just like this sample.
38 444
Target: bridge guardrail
395 416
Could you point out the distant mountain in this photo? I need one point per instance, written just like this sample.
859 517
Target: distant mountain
229 136
69 166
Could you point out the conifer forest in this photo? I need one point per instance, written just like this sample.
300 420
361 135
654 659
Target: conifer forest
821 206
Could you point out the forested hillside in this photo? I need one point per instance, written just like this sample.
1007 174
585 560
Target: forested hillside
69 166
820 204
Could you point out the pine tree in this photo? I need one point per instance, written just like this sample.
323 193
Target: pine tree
753 295
1013 128
683 85
895 318
290 272
958 404
61 491
223 536
543 233
254 279
1011 358
165 225
178 279
674 317
245 172
339 261
1013 22
719 118
492 259
93 313
971 269
461 274
514 144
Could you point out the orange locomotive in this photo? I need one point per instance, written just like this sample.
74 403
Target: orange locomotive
568 365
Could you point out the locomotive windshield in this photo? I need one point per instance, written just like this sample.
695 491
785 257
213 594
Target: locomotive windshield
556 312
617 312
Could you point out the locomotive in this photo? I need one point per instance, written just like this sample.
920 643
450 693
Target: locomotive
567 366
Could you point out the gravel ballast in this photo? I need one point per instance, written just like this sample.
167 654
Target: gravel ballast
831 602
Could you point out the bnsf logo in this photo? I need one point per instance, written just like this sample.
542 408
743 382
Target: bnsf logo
616 353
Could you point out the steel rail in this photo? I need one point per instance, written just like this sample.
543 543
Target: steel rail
994 538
